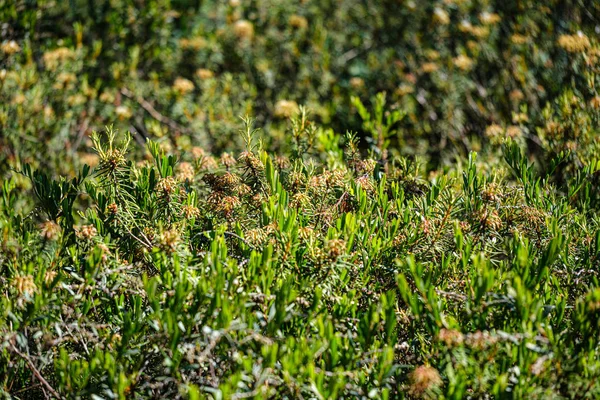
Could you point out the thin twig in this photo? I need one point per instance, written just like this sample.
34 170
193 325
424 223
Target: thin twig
153 113
35 371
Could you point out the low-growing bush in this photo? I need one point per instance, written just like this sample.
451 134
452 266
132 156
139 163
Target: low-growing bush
407 207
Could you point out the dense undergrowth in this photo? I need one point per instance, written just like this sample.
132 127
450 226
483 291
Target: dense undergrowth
410 212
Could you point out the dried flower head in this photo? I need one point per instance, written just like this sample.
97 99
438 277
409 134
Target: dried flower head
282 162
335 248
190 211
300 200
256 237
513 132
480 340
107 97
365 183
50 230
49 277
306 233
251 161
169 240
166 186
113 208
227 160
64 79
25 285
208 163
494 133
423 380
198 152
86 232
450 337
405 89
227 204
491 220
491 193
185 172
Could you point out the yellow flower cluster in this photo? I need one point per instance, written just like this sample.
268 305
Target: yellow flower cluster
183 86
285 108
577 43
53 58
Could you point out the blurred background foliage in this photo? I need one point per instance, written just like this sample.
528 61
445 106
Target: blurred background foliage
458 68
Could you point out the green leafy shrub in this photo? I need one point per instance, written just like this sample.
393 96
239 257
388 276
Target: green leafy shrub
156 245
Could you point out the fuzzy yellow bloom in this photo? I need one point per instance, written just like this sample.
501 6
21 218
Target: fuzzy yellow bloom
66 77
463 62
107 97
519 118
186 172
298 22
285 108
19 99
86 232
183 86
50 230
166 186
404 89
357 83
451 337
429 67
204 73
123 112
518 39
516 95
169 240
54 58
423 379
10 47
488 18
243 29
227 160
256 236
25 285
513 131
441 16
196 43
577 43
494 132
76 100
49 277
190 211
48 112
